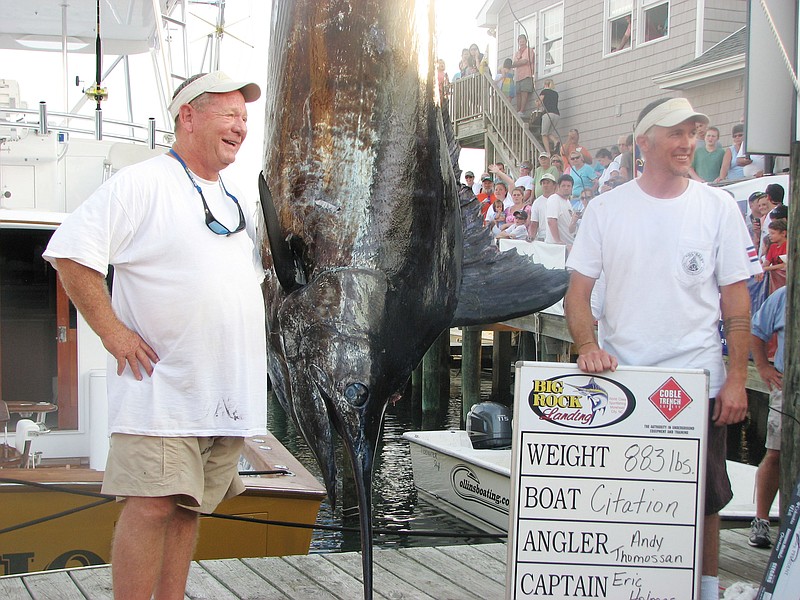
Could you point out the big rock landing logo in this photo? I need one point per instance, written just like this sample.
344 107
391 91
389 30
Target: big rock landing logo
580 401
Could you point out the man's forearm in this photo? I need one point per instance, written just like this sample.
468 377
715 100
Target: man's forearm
88 291
737 338
578 312
758 349
554 231
735 305
506 179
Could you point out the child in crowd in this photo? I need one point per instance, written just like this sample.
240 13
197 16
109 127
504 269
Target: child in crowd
518 230
505 79
495 216
773 262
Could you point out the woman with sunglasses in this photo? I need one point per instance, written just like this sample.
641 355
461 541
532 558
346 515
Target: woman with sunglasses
731 170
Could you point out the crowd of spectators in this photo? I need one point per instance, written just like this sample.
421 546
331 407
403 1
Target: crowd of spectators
768 224
554 194
544 193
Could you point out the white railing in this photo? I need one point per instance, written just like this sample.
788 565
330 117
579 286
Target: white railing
25 120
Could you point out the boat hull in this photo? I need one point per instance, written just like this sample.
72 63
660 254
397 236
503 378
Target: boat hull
472 484
475 485
84 538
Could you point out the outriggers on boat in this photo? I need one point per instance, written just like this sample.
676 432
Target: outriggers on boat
52 366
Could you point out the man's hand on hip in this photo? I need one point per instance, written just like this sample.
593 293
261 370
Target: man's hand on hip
128 348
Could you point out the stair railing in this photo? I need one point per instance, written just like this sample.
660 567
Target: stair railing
476 98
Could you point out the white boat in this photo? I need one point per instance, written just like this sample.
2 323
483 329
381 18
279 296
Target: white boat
475 485
52 366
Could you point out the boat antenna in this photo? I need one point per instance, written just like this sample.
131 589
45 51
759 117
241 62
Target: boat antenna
96 92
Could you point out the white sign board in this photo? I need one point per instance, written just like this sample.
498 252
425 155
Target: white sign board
607 475
768 116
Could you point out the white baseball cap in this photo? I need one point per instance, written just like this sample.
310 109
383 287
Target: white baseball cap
669 113
215 83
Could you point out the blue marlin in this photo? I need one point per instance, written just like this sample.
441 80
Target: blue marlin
371 255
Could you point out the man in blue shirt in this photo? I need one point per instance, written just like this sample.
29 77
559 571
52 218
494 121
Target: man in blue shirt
768 320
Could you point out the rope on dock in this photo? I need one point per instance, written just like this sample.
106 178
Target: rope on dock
105 498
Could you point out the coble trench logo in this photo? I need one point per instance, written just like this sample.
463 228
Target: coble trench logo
467 485
580 401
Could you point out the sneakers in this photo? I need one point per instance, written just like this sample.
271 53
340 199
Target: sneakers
759 533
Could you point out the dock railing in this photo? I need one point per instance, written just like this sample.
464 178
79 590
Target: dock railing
19 122
478 106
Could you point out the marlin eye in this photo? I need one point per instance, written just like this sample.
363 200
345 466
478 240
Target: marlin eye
356 394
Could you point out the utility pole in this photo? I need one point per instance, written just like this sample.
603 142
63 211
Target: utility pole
790 420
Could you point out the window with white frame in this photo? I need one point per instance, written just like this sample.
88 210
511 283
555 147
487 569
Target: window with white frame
551 37
527 27
618 26
653 20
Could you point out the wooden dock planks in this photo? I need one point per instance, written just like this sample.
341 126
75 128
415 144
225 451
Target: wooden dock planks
460 572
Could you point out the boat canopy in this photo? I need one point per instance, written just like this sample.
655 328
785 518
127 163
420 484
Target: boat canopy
126 26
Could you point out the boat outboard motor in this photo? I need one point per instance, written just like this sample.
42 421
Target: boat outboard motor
489 426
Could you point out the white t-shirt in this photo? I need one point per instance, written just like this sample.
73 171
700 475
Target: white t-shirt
191 294
525 181
517 232
759 161
663 261
539 214
606 175
560 209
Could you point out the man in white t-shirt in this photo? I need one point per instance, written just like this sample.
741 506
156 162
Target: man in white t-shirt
674 253
524 180
186 384
538 221
562 221
610 166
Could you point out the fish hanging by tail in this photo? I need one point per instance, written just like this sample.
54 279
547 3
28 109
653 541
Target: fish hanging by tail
372 251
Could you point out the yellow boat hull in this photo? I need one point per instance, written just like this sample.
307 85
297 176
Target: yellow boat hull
84 537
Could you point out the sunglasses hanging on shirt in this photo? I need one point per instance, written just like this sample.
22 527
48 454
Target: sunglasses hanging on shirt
211 221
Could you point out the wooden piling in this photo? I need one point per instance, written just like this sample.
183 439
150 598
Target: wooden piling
470 370
790 431
433 371
501 367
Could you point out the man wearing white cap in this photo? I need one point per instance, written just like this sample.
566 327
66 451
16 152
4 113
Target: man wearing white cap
186 382
673 253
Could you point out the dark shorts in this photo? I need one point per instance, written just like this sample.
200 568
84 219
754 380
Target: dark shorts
718 486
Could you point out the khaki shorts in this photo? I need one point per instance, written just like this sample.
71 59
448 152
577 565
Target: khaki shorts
201 472
549 123
524 85
774 420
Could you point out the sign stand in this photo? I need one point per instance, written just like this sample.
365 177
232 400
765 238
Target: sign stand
608 475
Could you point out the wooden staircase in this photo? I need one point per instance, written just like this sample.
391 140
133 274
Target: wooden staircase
484 117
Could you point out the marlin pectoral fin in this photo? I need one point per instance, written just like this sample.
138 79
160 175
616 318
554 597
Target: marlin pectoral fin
284 260
496 286
513 286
